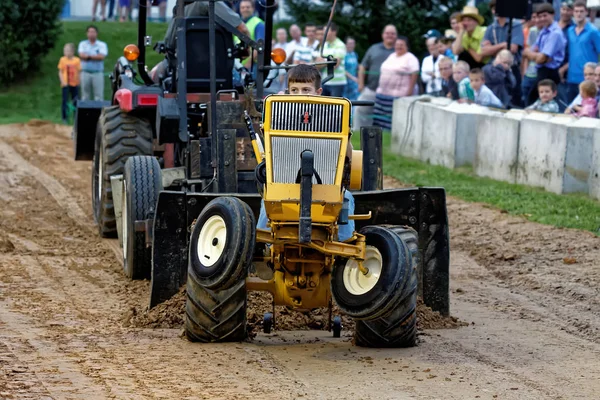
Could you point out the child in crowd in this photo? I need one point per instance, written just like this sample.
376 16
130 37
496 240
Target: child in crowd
69 69
499 77
483 95
449 87
460 74
547 93
305 79
589 104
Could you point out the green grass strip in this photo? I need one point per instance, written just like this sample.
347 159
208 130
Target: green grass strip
39 96
570 211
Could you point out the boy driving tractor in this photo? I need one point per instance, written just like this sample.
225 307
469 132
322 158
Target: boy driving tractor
305 79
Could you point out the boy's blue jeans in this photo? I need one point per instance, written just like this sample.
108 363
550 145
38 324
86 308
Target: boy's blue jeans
345 231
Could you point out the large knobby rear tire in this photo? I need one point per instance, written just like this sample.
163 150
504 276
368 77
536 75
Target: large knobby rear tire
142 183
222 243
398 327
119 136
218 314
388 262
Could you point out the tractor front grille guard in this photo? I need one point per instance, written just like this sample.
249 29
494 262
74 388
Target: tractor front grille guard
306 117
286 158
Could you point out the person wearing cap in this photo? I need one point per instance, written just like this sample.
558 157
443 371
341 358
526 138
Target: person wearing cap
430 70
470 36
446 44
549 49
496 40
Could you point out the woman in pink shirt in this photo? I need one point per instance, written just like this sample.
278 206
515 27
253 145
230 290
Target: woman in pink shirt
397 78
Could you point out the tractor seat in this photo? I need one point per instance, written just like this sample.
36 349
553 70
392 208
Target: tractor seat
198 56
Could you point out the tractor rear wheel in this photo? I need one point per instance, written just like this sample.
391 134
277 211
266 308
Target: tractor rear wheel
222 243
370 295
142 182
398 327
119 136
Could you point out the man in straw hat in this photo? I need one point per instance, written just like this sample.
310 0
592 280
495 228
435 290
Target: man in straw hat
470 35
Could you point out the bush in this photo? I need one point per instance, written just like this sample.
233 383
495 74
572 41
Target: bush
29 30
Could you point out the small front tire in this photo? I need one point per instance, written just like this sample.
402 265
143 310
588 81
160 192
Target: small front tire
222 243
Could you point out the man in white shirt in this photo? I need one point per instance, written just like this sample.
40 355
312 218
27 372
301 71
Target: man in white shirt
430 69
304 54
92 53
297 41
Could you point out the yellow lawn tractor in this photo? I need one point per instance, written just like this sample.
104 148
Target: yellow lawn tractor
300 257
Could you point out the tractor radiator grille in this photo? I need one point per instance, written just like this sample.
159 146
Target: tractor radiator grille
306 117
286 153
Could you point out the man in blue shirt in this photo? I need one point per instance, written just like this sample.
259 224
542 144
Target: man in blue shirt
584 45
549 49
92 53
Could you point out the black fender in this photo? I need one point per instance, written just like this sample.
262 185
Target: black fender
84 129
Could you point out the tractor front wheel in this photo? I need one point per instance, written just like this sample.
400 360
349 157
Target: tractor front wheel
398 327
221 250
222 243
368 295
119 136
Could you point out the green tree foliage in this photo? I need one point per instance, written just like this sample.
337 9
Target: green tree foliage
28 31
364 19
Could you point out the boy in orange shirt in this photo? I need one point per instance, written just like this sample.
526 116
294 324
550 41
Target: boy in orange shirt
69 68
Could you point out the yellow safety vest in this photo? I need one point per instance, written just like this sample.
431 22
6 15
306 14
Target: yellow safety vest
252 23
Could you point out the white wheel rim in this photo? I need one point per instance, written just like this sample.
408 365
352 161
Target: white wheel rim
358 283
124 220
212 240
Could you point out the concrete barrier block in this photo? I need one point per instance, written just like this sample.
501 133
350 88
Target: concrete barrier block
594 178
497 146
407 126
579 160
542 151
450 134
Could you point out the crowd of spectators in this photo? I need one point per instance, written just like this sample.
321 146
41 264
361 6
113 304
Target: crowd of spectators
550 64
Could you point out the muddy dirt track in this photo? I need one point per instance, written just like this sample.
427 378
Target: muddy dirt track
70 321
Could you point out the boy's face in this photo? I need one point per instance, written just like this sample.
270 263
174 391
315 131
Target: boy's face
458 74
476 81
68 51
304 88
546 93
